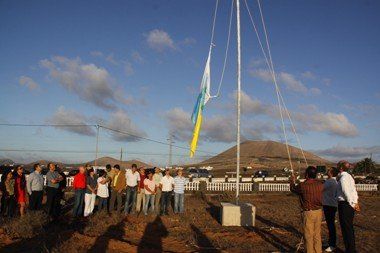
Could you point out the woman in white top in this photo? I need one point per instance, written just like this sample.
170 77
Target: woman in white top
103 192
150 192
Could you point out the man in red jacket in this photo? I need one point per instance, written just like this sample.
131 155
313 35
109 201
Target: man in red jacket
79 186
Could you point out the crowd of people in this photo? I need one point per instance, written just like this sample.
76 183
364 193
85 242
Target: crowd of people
145 191
337 194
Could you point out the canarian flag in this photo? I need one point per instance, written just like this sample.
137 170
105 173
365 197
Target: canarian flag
202 99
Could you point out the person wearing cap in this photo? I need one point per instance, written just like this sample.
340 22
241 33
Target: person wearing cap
179 192
310 194
347 205
157 179
150 192
166 185
118 185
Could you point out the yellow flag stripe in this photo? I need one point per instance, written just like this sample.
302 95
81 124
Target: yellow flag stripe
197 127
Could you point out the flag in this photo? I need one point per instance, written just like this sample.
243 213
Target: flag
202 99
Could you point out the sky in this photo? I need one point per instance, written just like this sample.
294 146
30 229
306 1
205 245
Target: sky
136 67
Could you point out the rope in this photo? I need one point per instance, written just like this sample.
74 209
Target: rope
271 68
226 51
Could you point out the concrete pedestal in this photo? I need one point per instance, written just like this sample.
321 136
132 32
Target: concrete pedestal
238 215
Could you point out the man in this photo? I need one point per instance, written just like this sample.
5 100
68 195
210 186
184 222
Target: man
310 193
35 186
166 185
79 186
110 175
150 192
52 184
179 192
140 191
61 190
330 205
157 179
133 178
118 185
347 205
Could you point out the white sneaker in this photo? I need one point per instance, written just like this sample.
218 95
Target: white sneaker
330 249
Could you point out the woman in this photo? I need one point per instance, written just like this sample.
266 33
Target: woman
90 196
102 191
20 188
8 201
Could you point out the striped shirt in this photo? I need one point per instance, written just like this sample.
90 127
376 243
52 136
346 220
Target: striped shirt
310 193
179 184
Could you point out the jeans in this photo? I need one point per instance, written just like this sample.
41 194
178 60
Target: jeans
78 202
165 202
330 212
130 199
346 219
102 203
35 201
52 201
149 199
89 203
179 199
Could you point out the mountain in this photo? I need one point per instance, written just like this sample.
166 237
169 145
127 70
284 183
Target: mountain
263 155
6 161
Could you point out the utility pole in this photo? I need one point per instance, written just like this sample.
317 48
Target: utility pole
97 145
121 154
170 139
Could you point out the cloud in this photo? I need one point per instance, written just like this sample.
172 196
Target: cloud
96 53
137 57
128 69
350 153
88 81
120 121
290 81
254 106
111 59
188 41
309 75
159 40
68 117
28 82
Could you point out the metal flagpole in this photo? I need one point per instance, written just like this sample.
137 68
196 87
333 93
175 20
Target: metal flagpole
97 145
238 101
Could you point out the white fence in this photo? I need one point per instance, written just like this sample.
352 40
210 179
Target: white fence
273 187
215 186
366 187
192 186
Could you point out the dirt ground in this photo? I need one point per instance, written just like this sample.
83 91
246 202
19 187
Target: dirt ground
278 228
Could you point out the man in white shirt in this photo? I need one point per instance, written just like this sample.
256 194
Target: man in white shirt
179 192
330 206
166 185
132 179
347 205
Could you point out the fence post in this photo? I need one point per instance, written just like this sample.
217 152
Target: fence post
209 178
190 178
240 179
226 178
274 178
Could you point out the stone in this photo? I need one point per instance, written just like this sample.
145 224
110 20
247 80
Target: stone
238 215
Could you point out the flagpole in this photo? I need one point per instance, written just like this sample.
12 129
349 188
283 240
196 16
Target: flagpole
238 100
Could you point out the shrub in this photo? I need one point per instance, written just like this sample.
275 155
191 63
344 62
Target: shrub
28 226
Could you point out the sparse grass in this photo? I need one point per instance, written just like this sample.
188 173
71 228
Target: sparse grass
100 222
27 226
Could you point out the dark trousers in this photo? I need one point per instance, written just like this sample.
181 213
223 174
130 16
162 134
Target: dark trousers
130 199
52 201
35 200
8 205
330 212
78 202
115 196
165 201
102 203
346 220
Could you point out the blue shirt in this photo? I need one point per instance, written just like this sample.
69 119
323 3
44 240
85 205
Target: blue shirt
179 184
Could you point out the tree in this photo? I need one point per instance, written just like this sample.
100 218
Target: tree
367 165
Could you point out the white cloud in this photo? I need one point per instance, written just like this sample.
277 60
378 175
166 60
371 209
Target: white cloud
69 117
188 41
120 121
290 81
111 59
128 69
90 82
309 75
159 40
28 82
349 153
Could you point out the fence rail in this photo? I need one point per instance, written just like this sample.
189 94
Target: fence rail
216 186
274 187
